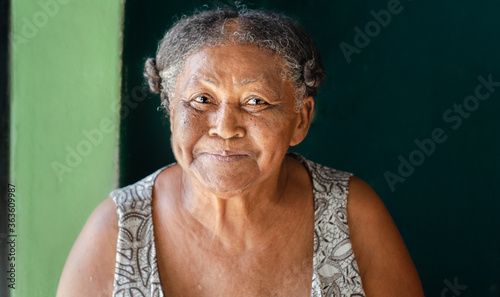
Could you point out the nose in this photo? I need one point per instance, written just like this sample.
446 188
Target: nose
226 123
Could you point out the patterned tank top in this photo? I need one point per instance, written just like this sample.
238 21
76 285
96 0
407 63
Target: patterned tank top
335 271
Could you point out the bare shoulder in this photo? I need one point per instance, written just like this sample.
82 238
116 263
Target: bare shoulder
384 262
89 269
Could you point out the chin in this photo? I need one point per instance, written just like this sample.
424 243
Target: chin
225 180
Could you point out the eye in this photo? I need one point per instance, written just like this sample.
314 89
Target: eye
256 101
202 99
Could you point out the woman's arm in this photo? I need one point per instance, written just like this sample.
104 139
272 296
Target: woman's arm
89 269
384 262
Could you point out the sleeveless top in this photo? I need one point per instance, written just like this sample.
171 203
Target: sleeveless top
335 271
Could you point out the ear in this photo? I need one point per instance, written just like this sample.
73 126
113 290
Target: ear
304 118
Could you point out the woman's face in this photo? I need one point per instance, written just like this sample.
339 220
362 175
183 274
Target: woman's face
232 117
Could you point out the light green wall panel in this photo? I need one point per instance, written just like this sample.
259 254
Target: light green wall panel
65 89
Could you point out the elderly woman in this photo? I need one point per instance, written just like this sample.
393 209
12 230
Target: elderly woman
237 215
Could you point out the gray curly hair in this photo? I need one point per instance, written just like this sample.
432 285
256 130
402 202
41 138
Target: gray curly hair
268 30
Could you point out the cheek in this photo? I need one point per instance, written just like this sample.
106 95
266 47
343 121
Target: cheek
272 132
187 129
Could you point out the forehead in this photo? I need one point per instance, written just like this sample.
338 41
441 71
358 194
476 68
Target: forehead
240 64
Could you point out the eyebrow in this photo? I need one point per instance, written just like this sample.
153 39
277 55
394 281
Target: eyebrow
246 81
197 78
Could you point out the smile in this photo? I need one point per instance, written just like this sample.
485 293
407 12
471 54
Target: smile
227 156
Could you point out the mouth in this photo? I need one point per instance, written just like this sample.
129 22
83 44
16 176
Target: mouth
227 155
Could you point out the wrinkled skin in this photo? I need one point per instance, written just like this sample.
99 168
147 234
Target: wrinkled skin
233 119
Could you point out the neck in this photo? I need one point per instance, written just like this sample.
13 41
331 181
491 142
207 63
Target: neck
236 219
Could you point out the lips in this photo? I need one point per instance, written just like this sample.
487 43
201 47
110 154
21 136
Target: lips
227 155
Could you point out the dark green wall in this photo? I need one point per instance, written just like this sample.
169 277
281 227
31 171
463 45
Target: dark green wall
396 90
